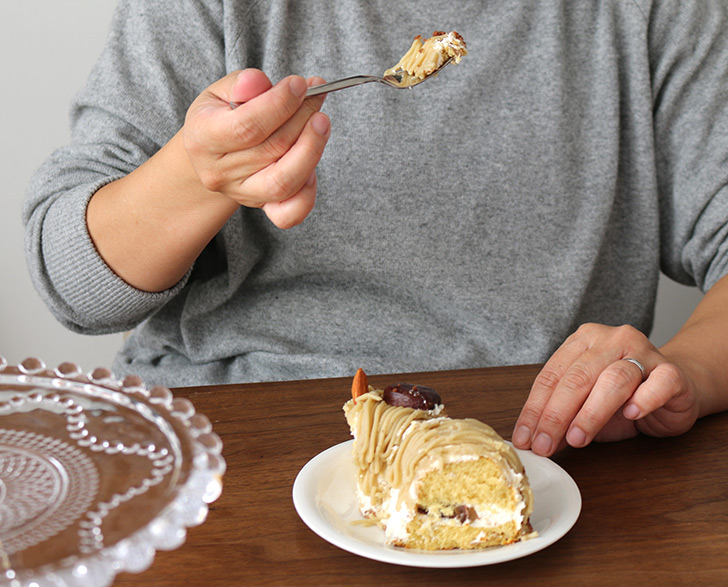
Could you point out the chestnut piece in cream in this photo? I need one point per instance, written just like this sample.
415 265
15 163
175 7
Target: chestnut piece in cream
405 395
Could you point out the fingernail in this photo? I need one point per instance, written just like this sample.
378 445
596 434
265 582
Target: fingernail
576 437
311 179
631 412
298 86
521 436
542 444
321 124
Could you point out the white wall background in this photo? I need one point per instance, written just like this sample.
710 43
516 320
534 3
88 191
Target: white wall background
47 48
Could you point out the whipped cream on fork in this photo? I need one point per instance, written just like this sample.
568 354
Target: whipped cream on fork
426 57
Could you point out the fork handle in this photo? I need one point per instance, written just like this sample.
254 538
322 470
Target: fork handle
341 84
338 84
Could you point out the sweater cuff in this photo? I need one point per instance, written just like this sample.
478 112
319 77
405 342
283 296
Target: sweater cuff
95 298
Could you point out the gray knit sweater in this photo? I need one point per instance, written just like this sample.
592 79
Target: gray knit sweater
476 220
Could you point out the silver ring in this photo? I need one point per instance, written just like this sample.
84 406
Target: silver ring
640 366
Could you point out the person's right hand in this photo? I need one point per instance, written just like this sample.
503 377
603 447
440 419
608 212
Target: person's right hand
262 154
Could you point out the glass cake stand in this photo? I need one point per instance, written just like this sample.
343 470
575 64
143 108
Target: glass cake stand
96 474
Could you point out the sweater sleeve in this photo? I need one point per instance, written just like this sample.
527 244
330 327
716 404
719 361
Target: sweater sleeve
159 56
689 57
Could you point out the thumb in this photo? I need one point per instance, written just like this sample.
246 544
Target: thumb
234 89
245 85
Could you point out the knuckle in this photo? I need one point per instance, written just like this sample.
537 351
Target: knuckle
649 398
313 148
249 132
278 187
619 376
275 146
577 378
669 375
530 413
553 420
589 417
628 335
548 379
588 329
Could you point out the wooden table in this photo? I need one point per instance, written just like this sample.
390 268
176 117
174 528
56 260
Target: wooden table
654 510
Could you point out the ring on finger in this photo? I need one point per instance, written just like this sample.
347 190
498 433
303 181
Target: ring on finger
640 366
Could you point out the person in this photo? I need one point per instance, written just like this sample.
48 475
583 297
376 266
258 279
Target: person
516 209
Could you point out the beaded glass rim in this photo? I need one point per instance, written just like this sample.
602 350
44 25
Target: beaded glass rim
167 531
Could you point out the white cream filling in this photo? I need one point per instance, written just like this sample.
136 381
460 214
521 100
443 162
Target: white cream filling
449 41
395 524
365 502
490 516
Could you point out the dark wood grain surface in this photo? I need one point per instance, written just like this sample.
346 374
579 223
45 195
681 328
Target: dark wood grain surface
654 510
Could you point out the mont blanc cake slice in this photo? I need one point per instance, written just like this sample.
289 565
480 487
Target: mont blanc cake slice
430 481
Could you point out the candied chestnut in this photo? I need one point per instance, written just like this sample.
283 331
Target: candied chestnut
465 514
406 395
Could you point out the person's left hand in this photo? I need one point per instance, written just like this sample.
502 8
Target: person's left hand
587 391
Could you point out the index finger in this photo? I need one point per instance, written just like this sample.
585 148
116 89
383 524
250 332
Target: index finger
543 389
258 118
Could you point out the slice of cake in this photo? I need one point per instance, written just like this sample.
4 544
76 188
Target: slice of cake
425 57
430 481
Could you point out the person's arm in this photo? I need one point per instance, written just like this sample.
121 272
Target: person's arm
701 348
151 225
134 103
587 391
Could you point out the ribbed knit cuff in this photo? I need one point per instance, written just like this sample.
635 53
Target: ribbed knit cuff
96 299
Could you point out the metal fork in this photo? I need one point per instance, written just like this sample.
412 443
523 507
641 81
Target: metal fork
399 79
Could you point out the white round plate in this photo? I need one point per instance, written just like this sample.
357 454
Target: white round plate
324 495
